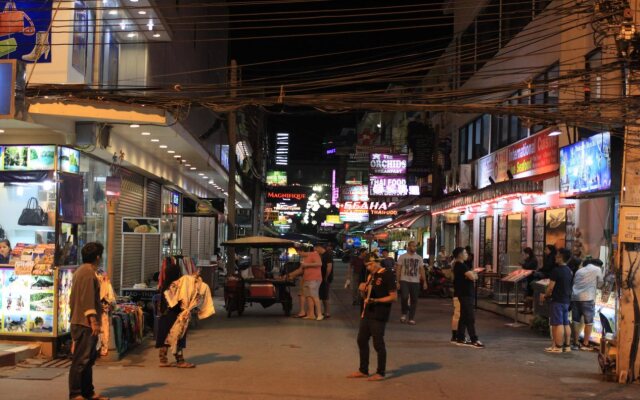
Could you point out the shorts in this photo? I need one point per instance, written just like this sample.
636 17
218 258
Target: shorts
324 290
311 288
558 314
586 309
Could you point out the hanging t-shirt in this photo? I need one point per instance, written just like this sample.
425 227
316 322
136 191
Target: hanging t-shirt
410 264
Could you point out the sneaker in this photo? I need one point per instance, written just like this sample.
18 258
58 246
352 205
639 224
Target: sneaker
454 340
411 322
553 349
403 319
574 347
477 344
566 349
463 342
320 318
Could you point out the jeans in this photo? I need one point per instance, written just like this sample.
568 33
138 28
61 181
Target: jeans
370 327
467 319
409 291
84 356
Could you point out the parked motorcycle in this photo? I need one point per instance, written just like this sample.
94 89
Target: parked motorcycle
437 282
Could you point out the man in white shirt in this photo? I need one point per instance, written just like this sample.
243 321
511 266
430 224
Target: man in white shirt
585 282
409 271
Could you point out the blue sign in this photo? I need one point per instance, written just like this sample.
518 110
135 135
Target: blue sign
24 30
585 166
6 89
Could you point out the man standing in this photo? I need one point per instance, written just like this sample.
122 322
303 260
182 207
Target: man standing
387 262
86 312
583 300
559 291
379 292
355 274
410 271
463 286
327 277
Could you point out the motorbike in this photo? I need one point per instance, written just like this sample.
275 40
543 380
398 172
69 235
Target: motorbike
437 282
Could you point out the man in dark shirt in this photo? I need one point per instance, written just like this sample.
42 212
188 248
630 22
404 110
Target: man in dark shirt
379 293
464 288
387 262
327 277
86 313
356 273
559 291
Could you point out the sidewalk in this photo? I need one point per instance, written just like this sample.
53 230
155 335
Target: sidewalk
264 355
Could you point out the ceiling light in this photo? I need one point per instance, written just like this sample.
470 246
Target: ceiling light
193 168
113 12
131 35
201 174
142 12
187 165
145 133
133 1
1 130
134 126
205 177
171 151
155 140
123 25
177 156
156 35
555 132
163 146
150 24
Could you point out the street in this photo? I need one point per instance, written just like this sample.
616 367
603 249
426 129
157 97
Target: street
264 355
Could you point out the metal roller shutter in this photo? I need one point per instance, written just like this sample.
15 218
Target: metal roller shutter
130 205
152 243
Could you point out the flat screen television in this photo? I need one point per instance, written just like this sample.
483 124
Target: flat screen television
585 166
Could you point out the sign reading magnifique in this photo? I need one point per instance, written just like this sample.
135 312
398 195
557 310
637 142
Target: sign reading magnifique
287 193
388 164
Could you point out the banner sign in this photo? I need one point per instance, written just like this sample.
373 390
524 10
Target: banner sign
27 158
388 186
388 164
354 193
24 27
141 226
585 166
630 224
7 87
536 155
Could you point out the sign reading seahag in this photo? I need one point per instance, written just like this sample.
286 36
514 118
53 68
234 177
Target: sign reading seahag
536 155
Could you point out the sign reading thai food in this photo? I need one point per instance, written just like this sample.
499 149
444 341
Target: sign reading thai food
388 186
388 164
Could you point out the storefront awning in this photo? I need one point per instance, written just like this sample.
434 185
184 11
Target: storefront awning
489 193
407 221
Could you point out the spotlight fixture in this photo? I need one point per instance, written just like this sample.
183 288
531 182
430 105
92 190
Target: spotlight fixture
155 140
509 174
163 146
134 126
493 181
145 133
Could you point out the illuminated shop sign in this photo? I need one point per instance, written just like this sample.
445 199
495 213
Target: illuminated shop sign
391 164
388 186
331 151
289 193
354 211
286 196
277 178
354 193
333 219
585 166
532 156
27 158
69 160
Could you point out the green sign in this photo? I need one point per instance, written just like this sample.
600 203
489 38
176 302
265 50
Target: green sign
69 160
277 178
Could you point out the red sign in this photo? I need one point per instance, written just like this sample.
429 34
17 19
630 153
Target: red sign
536 155
286 196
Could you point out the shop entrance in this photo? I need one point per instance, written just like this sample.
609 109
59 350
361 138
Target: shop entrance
486 242
514 239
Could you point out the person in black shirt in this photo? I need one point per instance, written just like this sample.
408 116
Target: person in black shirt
327 277
379 292
559 291
548 262
530 262
464 288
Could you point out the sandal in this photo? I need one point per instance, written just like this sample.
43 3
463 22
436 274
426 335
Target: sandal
164 360
356 375
181 363
299 316
98 397
376 378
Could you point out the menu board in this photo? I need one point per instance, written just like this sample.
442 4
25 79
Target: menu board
517 275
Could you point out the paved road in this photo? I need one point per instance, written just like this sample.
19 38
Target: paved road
264 355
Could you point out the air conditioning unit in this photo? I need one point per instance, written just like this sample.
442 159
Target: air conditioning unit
93 134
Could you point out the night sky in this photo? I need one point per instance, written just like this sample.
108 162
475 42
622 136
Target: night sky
308 126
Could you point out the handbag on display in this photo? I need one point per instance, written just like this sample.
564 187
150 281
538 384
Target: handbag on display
33 214
12 21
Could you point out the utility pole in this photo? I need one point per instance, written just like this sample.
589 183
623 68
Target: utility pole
231 189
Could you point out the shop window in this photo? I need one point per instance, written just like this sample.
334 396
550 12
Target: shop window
514 239
515 16
94 174
593 76
15 197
